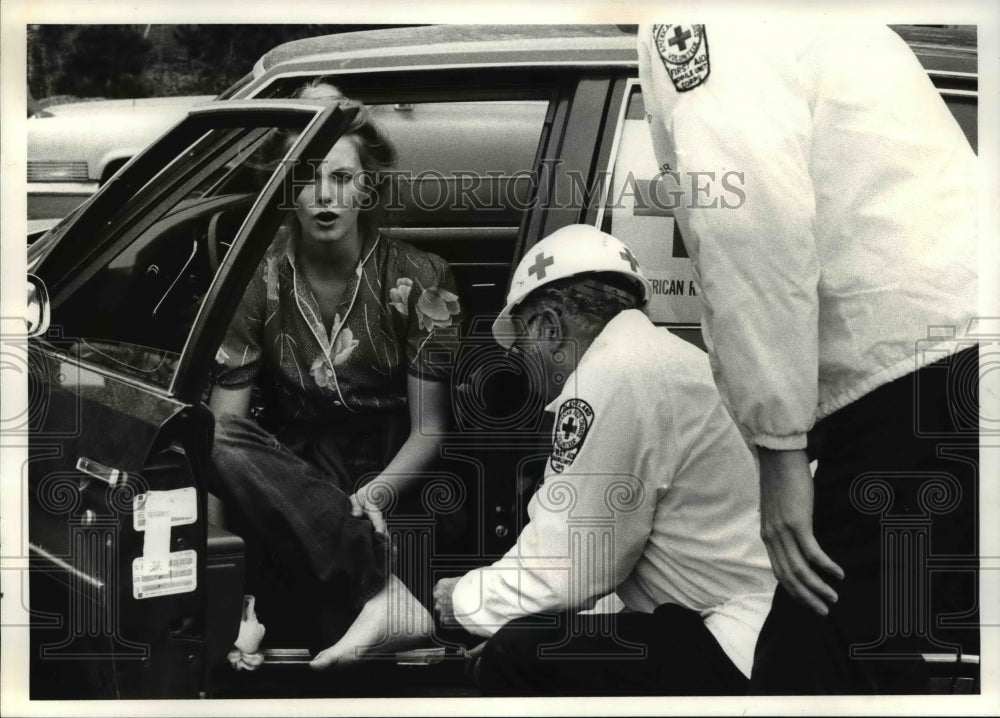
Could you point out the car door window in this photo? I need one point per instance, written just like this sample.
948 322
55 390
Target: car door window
133 313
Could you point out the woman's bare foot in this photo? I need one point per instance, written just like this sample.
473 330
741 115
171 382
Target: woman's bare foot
391 621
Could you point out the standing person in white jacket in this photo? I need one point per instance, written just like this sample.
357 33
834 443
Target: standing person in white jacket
835 302
649 491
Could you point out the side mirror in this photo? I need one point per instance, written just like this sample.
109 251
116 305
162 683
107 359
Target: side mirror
38 310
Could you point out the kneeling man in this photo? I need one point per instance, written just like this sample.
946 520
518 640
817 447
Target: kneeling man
649 492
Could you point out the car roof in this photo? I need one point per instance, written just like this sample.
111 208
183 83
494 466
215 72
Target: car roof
940 48
459 45
944 49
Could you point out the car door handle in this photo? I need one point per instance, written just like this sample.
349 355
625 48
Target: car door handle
97 470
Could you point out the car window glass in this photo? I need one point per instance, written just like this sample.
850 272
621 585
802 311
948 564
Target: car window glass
638 208
134 314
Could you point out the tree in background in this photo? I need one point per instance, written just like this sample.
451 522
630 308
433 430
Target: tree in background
161 60
106 61
87 60
218 55
47 49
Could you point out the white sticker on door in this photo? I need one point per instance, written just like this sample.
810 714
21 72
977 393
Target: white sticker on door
180 577
181 505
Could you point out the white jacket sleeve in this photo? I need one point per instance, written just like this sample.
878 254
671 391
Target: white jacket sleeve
587 528
756 264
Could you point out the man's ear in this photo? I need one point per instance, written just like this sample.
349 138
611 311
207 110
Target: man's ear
549 325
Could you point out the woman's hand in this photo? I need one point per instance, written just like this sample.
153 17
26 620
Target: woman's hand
364 505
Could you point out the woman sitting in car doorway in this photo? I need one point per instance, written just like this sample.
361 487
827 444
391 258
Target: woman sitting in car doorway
343 326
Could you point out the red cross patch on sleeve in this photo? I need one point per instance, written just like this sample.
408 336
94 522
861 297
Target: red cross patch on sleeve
572 424
684 52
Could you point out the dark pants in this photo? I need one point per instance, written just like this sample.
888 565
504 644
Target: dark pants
896 507
668 652
311 564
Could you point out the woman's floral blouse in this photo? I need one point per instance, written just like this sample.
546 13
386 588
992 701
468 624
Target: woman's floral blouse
399 315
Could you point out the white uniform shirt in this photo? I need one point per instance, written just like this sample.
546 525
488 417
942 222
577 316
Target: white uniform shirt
649 490
857 236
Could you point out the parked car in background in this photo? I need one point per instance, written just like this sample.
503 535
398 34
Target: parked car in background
75 147
505 134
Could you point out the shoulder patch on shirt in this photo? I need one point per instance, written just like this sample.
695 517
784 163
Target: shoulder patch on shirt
572 424
684 52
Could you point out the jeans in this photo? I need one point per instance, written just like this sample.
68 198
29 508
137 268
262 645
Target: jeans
309 561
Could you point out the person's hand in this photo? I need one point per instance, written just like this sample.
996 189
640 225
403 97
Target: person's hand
363 505
442 600
786 508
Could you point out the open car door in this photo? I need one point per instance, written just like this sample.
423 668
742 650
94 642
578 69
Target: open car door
142 282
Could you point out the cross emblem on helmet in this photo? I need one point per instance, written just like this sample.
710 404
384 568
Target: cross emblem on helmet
541 262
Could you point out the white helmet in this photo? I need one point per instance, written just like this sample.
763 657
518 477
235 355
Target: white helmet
576 249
